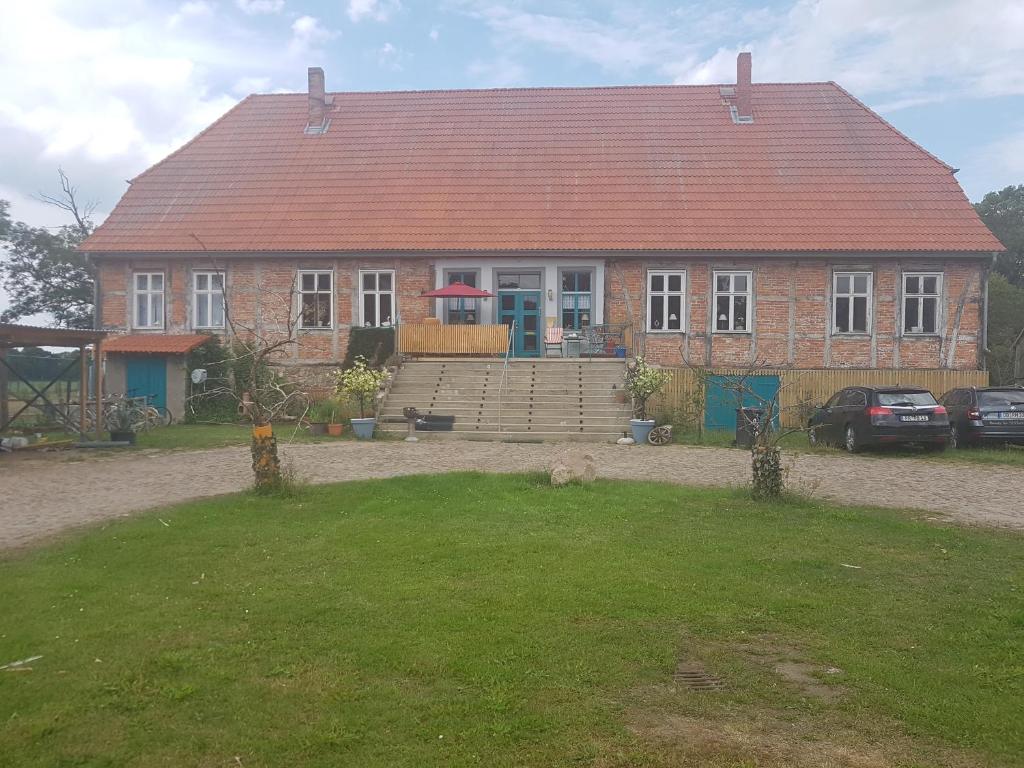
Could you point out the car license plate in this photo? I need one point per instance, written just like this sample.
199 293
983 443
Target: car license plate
1011 416
921 417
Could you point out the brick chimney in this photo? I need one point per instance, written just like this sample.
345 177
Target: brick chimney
744 109
318 120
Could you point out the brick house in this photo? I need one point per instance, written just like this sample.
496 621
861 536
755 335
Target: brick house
785 224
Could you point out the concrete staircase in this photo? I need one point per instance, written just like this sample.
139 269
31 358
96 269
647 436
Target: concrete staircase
544 399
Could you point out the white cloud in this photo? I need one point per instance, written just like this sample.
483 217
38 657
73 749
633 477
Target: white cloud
391 57
193 9
500 72
434 33
376 10
246 85
932 48
995 165
308 34
253 7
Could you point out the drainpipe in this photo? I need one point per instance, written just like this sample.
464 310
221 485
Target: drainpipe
985 351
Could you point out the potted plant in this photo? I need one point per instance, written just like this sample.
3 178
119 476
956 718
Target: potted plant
361 383
643 381
319 416
119 423
335 426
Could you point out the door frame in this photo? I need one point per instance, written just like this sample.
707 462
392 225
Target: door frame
518 314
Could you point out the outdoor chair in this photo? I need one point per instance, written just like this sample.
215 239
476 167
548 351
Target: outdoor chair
553 341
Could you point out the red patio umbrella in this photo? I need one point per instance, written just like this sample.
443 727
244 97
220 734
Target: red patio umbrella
457 291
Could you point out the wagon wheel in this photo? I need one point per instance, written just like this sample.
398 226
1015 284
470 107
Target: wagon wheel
660 435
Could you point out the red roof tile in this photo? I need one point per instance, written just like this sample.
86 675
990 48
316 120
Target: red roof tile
661 167
154 343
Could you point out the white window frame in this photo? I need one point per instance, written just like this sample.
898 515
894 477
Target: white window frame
149 293
316 291
206 296
665 274
921 296
377 294
732 294
851 295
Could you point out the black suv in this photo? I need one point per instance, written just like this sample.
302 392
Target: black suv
857 417
985 414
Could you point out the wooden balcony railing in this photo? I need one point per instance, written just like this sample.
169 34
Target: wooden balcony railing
437 339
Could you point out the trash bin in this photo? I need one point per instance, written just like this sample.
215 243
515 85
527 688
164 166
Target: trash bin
748 422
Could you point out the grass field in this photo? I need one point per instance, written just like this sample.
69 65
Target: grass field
471 620
194 436
797 441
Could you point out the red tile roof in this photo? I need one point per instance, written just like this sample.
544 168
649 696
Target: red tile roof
155 344
661 167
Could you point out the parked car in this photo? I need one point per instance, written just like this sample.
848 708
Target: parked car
857 417
985 415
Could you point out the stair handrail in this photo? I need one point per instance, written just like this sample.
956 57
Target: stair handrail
504 369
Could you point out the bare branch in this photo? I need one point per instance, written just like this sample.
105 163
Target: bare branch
67 201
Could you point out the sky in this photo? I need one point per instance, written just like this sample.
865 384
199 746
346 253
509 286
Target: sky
106 88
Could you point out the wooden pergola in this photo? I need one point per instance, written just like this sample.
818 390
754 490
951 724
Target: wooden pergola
27 335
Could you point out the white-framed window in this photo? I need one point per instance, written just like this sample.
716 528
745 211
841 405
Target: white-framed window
732 302
921 294
316 298
577 299
377 297
149 299
207 300
666 301
851 302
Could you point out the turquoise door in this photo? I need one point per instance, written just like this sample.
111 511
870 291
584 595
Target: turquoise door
727 393
523 308
146 376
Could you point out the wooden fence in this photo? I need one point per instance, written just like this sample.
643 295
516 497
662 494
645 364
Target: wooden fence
438 339
801 390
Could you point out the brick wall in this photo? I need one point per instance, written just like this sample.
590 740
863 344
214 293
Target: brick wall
792 314
260 295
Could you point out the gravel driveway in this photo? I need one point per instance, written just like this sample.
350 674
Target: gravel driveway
41 495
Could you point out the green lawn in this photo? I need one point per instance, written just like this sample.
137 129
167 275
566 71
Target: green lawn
471 620
192 436
797 442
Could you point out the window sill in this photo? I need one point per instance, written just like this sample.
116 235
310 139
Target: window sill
207 327
318 328
666 331
929 335
851 335
147 328
732 333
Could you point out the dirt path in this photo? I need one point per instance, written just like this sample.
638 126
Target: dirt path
45 494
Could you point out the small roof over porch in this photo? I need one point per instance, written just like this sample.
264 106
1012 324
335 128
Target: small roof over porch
12 335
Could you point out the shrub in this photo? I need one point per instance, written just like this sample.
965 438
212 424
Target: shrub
374 345
209 401
642 382
361 383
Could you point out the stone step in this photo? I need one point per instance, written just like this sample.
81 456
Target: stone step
486 378
489 409
565 420
517 437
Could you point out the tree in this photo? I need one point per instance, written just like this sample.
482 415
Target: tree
1005 321
262 396
42 271
1003 213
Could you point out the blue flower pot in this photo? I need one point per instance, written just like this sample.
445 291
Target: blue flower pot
641 429
363 428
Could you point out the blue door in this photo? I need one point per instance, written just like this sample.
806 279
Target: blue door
146 376
723 398
523 308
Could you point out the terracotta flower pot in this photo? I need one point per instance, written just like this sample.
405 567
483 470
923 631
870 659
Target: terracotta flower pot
335 430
